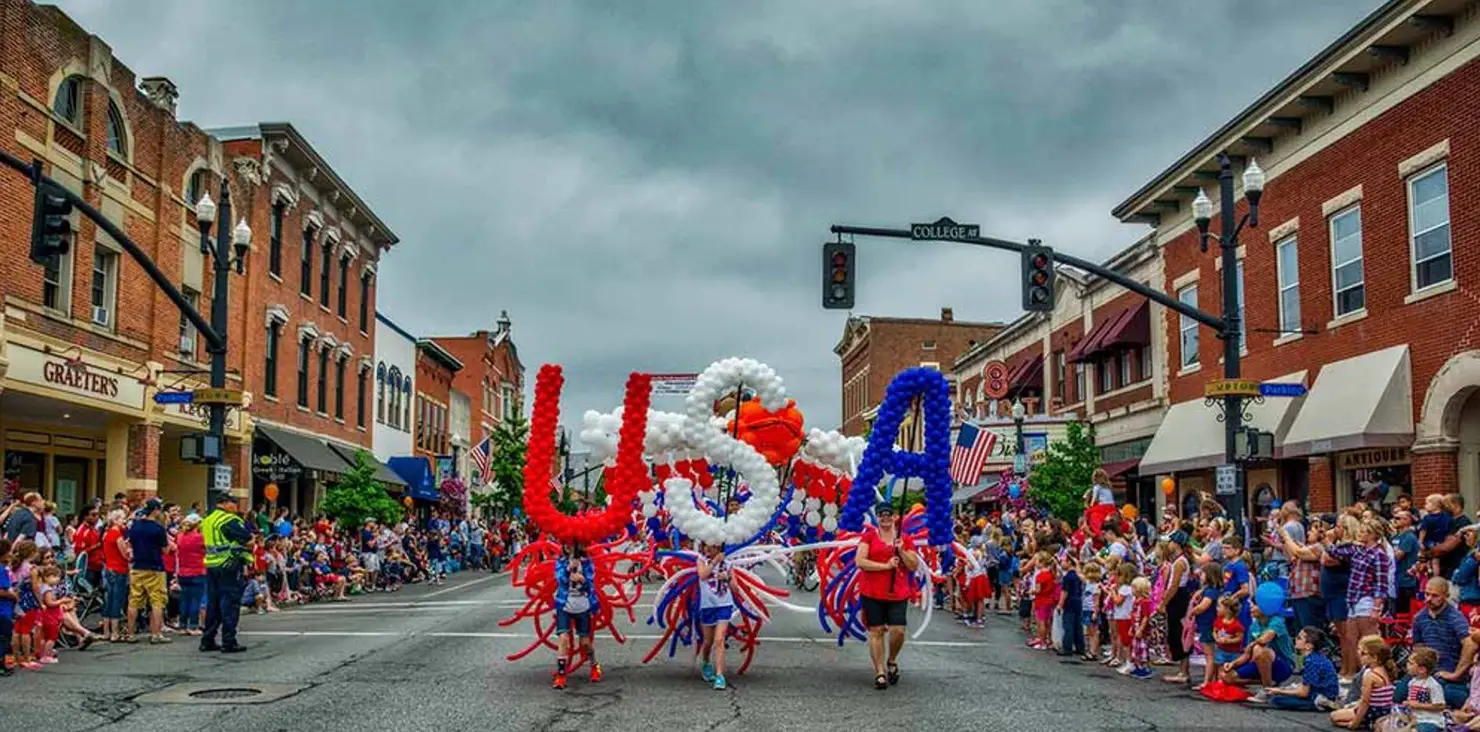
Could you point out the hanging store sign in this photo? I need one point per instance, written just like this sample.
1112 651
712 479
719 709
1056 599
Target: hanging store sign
1232 388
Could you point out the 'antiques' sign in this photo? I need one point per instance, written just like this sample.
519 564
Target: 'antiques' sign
73 376
1375 457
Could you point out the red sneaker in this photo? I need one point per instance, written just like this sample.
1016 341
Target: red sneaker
595 673
559 682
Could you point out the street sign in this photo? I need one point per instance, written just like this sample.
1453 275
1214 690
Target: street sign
1231 387
945 230
1275 389
994 380
229 397
221 477
1226 480
174 397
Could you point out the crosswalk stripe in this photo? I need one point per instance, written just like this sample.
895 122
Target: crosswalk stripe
528 636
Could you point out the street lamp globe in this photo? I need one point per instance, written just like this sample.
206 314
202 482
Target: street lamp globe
1019 411
205 210
1202 209
1253 179
241 241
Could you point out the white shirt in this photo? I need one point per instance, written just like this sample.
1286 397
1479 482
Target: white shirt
714 592
1436 695
1122 610
1103 495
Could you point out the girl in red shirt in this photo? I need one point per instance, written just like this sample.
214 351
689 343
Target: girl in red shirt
1045 598
884 565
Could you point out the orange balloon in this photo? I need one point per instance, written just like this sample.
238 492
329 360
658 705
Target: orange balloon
1168 485
407 500
775 435
1129 512
271 491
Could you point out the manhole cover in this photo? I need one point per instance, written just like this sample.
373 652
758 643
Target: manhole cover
222 694
217 693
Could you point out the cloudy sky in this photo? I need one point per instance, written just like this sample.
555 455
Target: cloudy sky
646 185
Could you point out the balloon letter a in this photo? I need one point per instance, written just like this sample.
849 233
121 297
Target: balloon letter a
932 466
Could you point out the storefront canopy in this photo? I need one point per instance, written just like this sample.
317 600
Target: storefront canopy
417 472
1027 374
1129 328
1191 437
969 492
383 473
311 453
1364 401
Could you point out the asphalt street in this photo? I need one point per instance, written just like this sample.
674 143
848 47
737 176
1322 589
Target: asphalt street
432 658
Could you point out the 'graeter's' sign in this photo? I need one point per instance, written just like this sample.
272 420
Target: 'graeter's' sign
64 374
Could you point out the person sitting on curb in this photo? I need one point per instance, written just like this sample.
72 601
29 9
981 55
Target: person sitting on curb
1441 626
1318 687
1269 658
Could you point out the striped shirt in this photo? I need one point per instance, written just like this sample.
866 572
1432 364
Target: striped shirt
1444 633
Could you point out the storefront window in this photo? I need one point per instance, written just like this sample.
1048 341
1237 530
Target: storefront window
1190 503
69 486
25 472
1382 485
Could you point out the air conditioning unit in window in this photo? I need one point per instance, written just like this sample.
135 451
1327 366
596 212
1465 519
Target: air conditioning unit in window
187 345
100 315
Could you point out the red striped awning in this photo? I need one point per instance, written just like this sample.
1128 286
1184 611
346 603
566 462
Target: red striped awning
1027 374
1129 328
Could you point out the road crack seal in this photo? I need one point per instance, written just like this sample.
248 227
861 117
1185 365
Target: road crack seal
577 708
733 697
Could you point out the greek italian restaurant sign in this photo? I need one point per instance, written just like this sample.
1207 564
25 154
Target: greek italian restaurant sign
82 379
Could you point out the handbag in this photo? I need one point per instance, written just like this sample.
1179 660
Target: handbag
1057 634
1398 720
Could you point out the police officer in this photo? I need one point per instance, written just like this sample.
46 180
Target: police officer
226 537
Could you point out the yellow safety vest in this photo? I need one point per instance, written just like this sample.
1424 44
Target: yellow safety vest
218 547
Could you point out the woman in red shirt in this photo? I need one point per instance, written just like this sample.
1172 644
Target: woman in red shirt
191 574
116 555
87 539
884 567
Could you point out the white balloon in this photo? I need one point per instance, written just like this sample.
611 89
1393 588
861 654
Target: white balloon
830 509
813 518
830 524
794 507
649 511
813 503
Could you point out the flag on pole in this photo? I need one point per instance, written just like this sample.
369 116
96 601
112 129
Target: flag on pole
973 447
482 460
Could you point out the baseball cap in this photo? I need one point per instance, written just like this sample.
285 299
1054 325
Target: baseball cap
152 505
884 507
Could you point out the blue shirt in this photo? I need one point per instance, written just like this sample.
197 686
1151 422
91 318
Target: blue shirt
7 605
1282 646
1074 586
1444 634
1407 543
148 540
1320 676
1206 618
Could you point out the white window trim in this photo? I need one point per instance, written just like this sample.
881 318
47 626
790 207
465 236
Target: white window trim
1182 326
1292 332
110 287
1361 258
64 284
1414 289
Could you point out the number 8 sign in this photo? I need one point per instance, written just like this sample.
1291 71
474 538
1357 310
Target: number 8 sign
994 377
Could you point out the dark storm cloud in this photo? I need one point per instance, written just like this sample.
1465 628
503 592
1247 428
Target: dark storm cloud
645 185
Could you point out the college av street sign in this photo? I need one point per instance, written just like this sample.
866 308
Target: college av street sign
945 230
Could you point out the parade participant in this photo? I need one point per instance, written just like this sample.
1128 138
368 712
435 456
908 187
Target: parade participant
574 603
716 605
226 537
884 566
1100 500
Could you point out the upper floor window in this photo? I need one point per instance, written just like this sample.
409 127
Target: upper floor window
1106 370
1079 380
1187 327
305 267
270 359
1287 272
68 102
927 345
55 279
104 286
303 345
117 137
1143 357
275 240
195 187
187 328
1428 222
365 302
510 406
1124 361
325 270
1346 261
343 285
1060 372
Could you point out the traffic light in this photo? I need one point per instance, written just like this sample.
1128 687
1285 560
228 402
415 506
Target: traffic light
51 231
837 275
1038 277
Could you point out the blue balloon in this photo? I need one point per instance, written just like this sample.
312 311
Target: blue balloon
1270 598
1015 490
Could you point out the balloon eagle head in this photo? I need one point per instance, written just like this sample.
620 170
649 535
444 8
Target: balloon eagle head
932 465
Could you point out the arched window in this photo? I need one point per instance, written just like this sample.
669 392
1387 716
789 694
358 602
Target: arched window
68 101
195 187
117 138
380 392
406 403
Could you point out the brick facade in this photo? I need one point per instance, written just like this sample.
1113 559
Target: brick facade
492 375
873 350
434 376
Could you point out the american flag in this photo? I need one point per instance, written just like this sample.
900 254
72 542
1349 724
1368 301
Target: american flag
973 447
481 459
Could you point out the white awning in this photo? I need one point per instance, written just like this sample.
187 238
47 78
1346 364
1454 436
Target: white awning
1191 437
1363 401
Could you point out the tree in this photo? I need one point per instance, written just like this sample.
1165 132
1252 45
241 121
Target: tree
509 444
1059 482
359 496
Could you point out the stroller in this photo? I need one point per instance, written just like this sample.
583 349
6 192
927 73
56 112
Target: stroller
88 595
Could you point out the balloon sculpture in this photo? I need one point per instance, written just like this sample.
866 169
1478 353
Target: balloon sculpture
731 480
628 476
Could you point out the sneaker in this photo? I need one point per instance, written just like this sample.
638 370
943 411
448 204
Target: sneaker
1142 673
719 682
559 682
32 666
1326 704
49 660
1127 669
707 672
1259 697
595 673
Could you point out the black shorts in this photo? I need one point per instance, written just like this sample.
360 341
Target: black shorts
878 613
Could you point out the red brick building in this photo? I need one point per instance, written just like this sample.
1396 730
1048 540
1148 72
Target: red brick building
872 350
1093 360
435 371
492 375
1360 281
85 344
